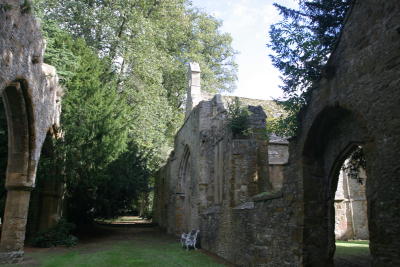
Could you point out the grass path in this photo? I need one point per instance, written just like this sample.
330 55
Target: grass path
122 246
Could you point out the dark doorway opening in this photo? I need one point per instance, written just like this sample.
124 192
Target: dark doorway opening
3 158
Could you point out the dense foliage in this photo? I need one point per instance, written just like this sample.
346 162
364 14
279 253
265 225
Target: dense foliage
130 180
354 164
95 121
238 117
149 44
59 235
302 43
123 65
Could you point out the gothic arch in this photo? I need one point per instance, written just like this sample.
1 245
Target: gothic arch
183 193
335 132
21 167
19 113
184 167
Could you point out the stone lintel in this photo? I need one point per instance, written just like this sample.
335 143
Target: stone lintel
20 187
245 206
212 210
267 196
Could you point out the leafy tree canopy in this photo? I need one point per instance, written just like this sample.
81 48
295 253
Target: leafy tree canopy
149 43
123 65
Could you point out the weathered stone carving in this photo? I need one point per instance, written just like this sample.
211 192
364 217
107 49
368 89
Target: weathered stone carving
32 101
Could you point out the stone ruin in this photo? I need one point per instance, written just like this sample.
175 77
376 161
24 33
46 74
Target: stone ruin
255 203
258 206
206 155
351 222
31 96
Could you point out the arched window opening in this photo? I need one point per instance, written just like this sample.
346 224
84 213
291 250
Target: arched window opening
45 208
218 173
184 193
18 110
20 166
333 137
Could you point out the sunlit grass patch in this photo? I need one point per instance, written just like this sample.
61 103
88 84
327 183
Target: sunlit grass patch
355 248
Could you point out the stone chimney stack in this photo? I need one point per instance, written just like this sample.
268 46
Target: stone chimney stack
194 88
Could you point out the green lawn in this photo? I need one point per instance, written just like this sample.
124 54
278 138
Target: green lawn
356 248
140 246
122 247
352 253
127 253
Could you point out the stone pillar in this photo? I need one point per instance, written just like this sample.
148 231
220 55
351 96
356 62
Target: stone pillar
14 223
194 89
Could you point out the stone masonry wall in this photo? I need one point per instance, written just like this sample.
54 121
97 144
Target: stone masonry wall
356 102
229 187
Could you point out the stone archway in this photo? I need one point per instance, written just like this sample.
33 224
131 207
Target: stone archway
333 135
46 203
20 167
183 203
31 96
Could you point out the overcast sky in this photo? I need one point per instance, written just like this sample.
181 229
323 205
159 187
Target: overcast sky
248 22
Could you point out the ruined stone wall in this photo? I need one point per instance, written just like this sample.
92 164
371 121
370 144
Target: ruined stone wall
356 102
253 230
178 179
351 220
234 199
21 62
31 97
291 222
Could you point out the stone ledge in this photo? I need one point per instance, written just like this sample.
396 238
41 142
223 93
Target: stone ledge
245 206
12 257
267 196
212 210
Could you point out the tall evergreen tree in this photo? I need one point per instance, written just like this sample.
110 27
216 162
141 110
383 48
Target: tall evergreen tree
302 43
95 120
